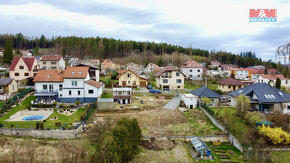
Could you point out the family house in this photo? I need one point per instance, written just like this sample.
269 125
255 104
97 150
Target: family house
256 73
93 71
242 73
51 62
138 69
264 97
229 84
132 79
8 87
108 66
95 62
67 85
151 67
271 79
170 77
192 70
190 100
73 61
214 64
122 95
205 92
22 68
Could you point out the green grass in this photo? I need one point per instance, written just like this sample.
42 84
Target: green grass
280 156
107 95
190 86
48 124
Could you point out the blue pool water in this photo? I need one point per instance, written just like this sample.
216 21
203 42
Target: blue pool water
33 118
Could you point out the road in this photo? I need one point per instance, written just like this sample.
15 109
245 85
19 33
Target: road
173 103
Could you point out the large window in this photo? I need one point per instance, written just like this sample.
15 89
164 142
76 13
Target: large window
44 87
165 80
177 74
134 82
91 91
53 63
190 70
60 87
53 68
44 63
16 74
178 80
26 74
74 83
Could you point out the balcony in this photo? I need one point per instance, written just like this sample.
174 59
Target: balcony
46 92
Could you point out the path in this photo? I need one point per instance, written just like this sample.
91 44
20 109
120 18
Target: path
173 103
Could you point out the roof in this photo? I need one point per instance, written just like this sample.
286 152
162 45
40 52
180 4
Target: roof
258 71
241 69
273 77
107 63
48 76
123 72
94 83
215 63
5 81
230 81
272 70
188 95
167 69
191 64
29 61
122 89
87 65
205 92
154 65
76 72
264 92
50 58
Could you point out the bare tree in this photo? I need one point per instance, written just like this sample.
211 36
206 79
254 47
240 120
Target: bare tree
284 51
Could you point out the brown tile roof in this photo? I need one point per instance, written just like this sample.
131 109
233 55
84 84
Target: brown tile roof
76 72
50 58
273 77
215 63
167 69
124 71
191 64
272 71
107 63
230 81
28 61
48 76
94 83
258 71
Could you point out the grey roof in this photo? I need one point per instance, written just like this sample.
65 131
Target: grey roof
205 92
264 92
5 81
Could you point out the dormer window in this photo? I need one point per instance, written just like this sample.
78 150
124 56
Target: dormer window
80 72
47 76
73 72
21 67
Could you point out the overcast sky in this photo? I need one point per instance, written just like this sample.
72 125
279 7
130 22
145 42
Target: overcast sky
215 24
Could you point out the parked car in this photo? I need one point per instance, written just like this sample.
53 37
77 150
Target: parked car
154 91
149 86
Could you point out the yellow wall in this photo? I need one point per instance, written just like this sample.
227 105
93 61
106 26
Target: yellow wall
225 88
130 80
13 85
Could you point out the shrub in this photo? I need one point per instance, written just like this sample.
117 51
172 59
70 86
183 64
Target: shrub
77 102
44 120
55 102
275 135
206 100
58 123
66 106
12 125
61 105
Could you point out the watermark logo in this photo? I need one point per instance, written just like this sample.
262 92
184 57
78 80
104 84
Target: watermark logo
263 15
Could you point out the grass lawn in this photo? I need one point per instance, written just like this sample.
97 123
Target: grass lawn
190 86
107 95
48 124
1 103
280 156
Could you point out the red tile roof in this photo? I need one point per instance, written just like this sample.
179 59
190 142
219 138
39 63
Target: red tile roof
28 61
191 64
230 81
94 83
50 58
258 71
273 77
124 71
48 76
167 69
76 72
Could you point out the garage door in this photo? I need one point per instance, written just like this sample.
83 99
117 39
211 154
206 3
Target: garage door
143 84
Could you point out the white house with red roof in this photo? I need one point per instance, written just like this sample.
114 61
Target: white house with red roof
192 70
22 68
266 78
51 62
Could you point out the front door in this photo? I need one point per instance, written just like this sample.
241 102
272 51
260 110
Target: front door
123 83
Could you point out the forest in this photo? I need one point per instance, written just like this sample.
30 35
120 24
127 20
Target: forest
101 48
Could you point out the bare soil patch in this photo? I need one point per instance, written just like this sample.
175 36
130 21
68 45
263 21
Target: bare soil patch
157 144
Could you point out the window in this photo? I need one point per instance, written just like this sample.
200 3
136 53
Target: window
128 82
79 92
129 75
198 76
26 74
12 87
21 67
190 75
44 63
74 83
16 74
51 88
198 70
44 67
34 74
134 82
177 74
60 87
53 63
178 80
91 91
229 86
190 70
178 86
60 95
286 82
165 81
129 93
53 68
44 87
69 93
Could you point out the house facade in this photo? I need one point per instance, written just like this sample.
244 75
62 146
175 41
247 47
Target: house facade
264 98
205 92
190 100
170 77
8 88
122 95
242 73
192 70
51 63
151 67
129 78
138 69
271 79
230 84
67 86
23 68
107 66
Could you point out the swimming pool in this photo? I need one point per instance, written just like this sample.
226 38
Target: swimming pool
33 118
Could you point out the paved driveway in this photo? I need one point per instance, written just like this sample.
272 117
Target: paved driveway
173 103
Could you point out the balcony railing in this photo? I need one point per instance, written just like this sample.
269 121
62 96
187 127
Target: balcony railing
46 91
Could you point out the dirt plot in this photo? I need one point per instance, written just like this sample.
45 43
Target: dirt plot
162 143
161 122
176 155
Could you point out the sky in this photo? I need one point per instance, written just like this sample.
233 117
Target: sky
206 24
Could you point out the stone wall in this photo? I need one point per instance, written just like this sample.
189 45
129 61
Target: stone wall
56 134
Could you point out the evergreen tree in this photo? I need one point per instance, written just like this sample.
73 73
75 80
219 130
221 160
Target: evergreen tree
278 83
8 52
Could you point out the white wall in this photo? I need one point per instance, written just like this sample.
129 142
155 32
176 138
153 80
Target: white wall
196 73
